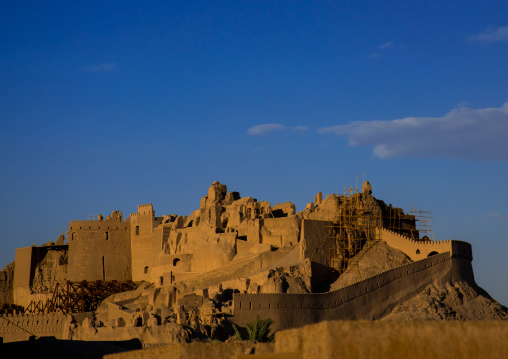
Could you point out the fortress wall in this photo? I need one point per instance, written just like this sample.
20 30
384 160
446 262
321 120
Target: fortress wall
417 250
20 327
280 231
100 253
315 243
367 299
24 268
141 243
23 273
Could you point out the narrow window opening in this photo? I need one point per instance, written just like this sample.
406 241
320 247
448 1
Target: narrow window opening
137 230
103 270
146 270
417 251
106 236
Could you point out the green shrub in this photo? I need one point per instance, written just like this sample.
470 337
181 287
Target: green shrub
257 330
237 331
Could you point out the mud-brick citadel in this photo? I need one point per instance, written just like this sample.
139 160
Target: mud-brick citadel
165 279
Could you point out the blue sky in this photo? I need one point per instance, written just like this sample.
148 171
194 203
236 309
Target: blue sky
107 105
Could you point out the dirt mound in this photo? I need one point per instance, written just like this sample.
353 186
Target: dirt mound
374 259
457 301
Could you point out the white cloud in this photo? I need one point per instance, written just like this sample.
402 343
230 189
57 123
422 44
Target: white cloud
104 67
299 128
383 47
491 35
386 45
479 134
260 130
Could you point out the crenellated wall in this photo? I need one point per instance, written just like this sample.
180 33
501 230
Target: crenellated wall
368 299
93 224
20 327
417 250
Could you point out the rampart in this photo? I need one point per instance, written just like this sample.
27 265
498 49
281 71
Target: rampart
20 327
417 250
370 298
95 224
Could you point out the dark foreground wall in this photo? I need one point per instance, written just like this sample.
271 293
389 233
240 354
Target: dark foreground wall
51 348
395 339
368 299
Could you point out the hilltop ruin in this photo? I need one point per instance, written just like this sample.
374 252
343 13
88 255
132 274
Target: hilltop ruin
346 256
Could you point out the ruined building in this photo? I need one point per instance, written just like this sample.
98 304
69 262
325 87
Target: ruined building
240 257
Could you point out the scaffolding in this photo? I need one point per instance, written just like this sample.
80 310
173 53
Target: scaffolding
352 228
79 297
423 223
354 223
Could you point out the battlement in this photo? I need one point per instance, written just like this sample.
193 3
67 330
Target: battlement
19 327
145 208
97 225
145 205
111 221
417 250
32 319
95 221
